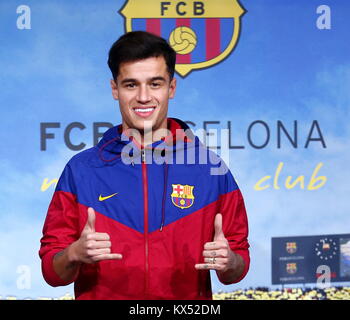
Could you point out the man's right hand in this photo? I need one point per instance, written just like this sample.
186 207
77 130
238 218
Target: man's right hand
92 246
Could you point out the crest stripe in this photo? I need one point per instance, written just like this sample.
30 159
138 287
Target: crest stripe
198 54
153 26
213 37
138 24
167 26
227 28
183 58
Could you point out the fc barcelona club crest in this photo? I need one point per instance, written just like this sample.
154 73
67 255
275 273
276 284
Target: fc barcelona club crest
182 196
291 247
291 268
203 33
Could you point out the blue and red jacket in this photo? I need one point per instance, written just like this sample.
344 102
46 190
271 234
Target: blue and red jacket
165 198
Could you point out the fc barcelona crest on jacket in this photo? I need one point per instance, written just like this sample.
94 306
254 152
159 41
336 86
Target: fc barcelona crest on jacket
203 33
182 196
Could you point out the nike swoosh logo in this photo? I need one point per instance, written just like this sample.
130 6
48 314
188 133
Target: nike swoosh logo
100 198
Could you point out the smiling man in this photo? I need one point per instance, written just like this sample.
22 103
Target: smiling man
143 89
122 226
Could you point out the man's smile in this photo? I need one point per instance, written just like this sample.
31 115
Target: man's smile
144 112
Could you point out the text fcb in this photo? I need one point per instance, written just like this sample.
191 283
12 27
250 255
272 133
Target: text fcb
203 33
182 196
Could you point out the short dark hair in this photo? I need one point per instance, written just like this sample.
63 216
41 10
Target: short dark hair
139 45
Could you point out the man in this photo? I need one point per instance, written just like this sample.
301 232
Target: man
138 216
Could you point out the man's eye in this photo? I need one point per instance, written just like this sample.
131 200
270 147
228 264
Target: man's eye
130 85
156 84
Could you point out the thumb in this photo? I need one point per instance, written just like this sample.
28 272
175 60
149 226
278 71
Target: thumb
90 223
219 234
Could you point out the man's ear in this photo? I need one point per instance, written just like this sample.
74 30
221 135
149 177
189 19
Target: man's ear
114 87
172 88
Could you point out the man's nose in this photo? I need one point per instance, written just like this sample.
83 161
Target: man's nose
143 95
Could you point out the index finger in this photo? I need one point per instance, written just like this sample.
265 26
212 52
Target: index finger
108 256
213 245
98 236
206 266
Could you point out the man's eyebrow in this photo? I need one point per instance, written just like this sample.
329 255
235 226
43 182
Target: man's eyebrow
128 80
158 78
132 80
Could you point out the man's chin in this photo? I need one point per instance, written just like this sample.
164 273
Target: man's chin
141 127
146 126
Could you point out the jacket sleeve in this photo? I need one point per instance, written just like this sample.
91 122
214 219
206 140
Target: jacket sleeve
235 221
61 227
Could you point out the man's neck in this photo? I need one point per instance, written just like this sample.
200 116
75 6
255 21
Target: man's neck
146 137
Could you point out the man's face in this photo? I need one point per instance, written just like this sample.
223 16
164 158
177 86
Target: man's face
143 89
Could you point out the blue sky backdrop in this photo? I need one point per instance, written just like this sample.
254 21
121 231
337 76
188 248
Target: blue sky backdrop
283 68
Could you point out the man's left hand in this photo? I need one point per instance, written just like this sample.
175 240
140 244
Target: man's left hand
217 254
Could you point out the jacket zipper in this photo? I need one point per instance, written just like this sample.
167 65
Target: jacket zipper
145 204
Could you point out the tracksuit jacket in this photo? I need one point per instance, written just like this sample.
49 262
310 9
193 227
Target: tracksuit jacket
158 205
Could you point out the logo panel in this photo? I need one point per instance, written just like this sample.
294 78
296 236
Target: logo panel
291 247
203 33
291 268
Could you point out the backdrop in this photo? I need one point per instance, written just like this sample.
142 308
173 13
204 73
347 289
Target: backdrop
274 74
